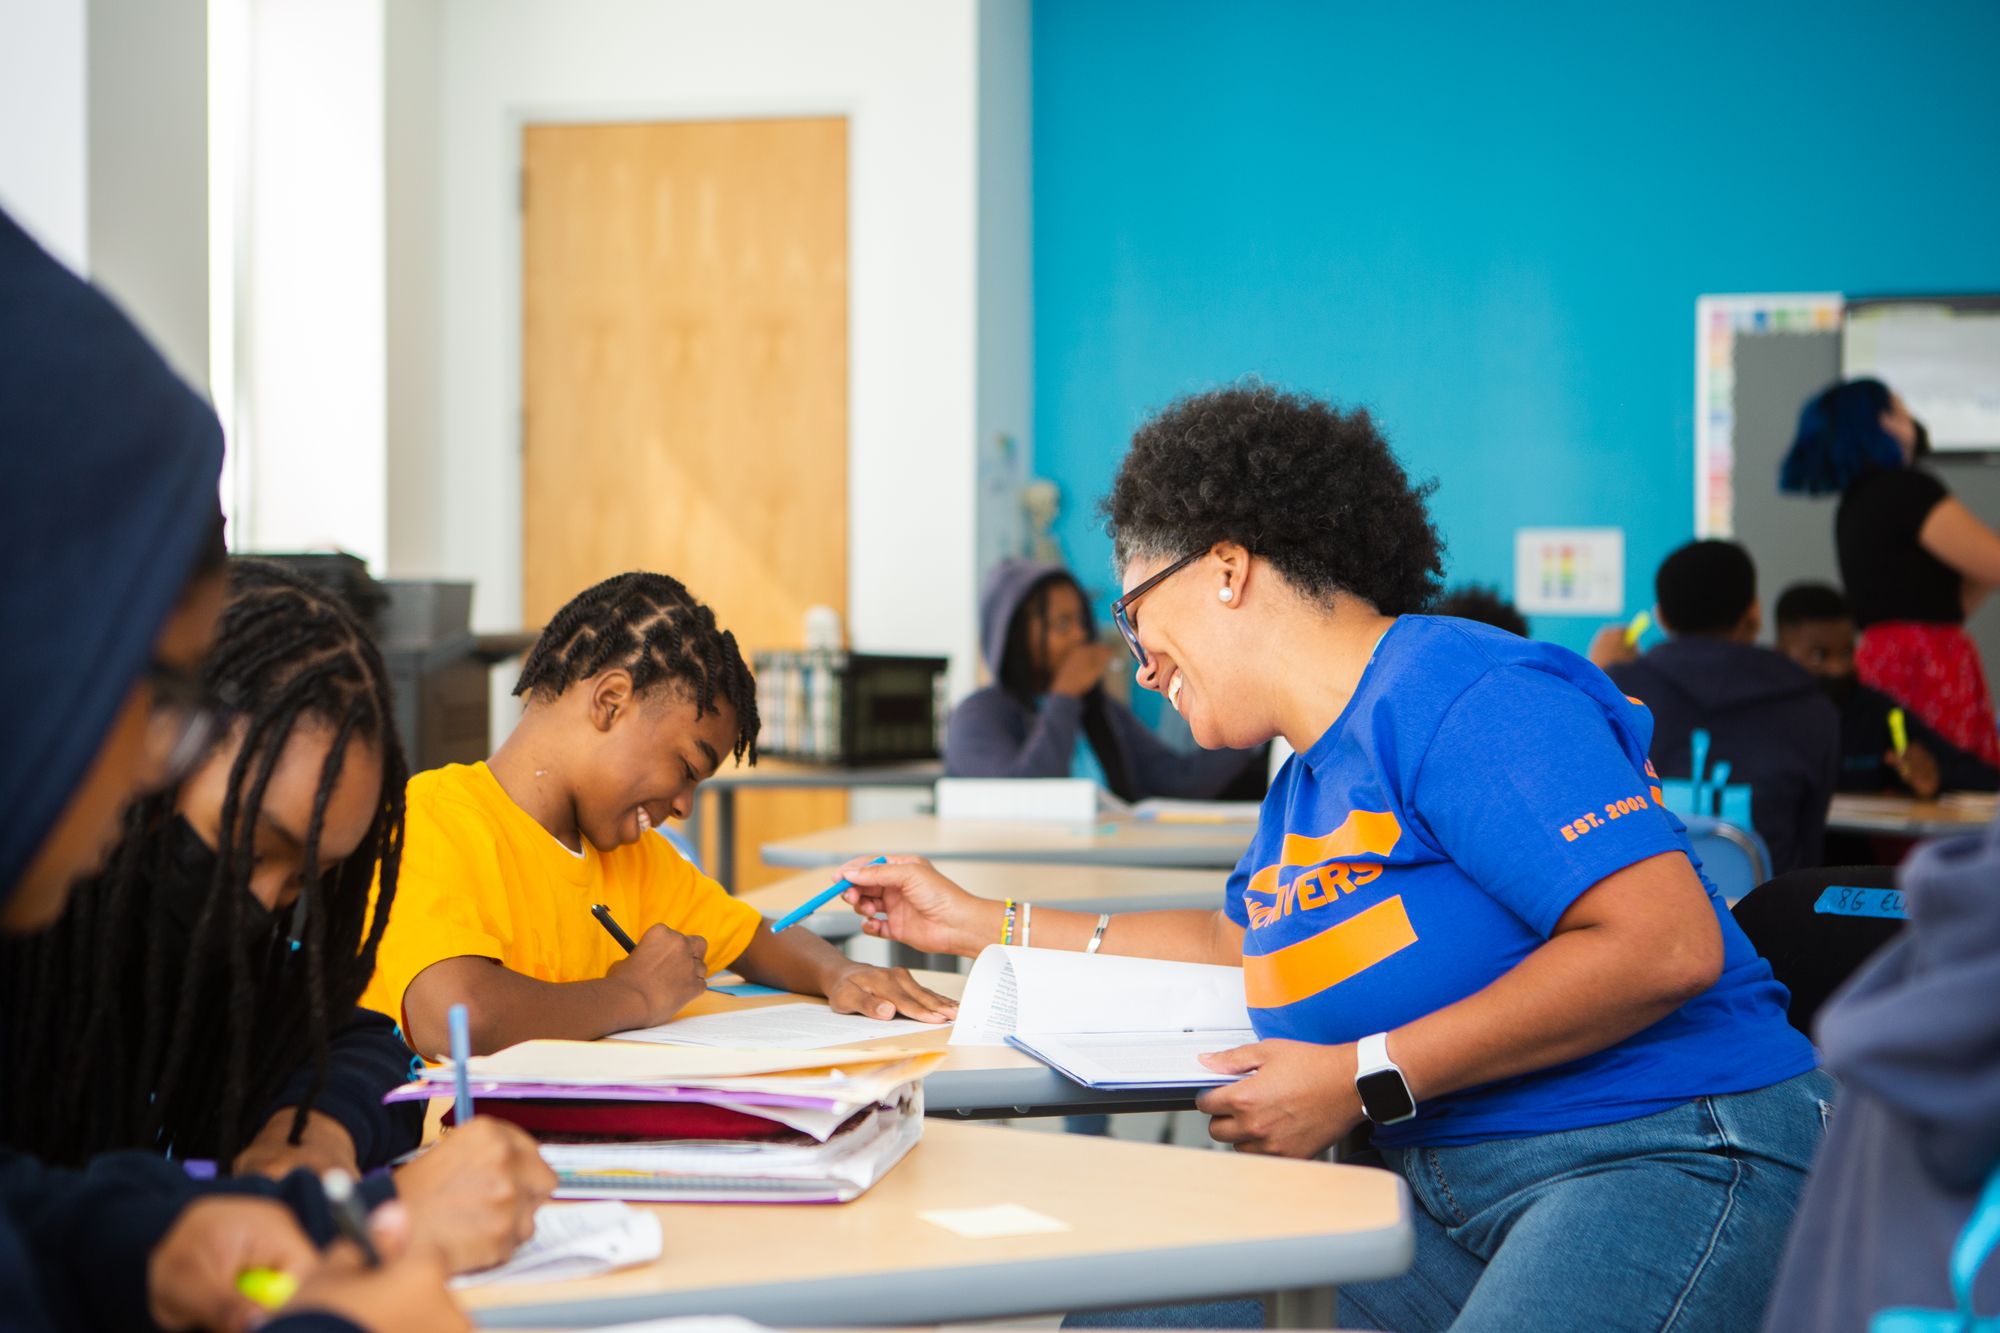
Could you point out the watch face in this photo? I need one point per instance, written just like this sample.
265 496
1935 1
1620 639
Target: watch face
1385 1097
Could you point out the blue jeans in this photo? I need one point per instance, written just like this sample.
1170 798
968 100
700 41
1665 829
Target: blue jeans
1675 1221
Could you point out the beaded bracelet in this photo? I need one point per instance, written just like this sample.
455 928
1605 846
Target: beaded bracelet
1007 924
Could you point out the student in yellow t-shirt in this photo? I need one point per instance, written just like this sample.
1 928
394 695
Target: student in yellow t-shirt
634 695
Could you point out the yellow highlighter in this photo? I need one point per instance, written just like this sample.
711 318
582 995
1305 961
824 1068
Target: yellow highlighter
268 1287
1899 732
1637 629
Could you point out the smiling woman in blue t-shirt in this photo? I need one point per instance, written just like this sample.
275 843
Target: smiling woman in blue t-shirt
1465 914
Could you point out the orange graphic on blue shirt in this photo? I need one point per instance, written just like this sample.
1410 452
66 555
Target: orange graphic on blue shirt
1327 869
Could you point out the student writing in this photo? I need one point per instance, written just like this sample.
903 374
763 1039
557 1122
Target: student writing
170 1010
111 550
634 695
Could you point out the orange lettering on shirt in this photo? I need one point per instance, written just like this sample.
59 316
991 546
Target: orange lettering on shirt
1343 950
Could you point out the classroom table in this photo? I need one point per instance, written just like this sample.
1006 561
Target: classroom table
1110 842
779 775
1140 1224
1905 816
982 1082
1080 888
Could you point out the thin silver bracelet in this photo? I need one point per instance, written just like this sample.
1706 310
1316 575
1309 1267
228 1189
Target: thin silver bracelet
1097 936
1027 923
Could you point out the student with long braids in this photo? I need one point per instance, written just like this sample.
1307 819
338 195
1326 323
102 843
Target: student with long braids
110 584
634 695
198 998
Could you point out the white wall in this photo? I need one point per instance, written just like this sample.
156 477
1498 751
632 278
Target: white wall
1005 235
148 170
314 331
907 74
412 68
44 112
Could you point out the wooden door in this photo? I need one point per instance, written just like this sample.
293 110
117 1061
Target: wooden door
684 381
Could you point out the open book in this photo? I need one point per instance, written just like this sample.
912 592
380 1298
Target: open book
1106 1022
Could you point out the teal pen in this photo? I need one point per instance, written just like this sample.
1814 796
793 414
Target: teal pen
819 900
461 1053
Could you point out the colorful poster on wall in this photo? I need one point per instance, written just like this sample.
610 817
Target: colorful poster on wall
1718 322
1569 571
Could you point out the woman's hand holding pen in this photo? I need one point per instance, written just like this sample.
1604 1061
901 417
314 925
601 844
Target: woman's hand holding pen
905 899
666 970
472 1198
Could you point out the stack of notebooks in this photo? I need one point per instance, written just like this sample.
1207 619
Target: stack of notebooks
667 1124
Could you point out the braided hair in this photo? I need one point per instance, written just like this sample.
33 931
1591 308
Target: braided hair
650 626
118 1040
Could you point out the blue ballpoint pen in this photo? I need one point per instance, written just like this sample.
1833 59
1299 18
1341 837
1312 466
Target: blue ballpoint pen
819 900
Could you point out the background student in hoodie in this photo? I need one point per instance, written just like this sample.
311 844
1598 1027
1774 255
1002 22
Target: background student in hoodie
111 571
1914 1039
170 1010
1765 715
634 694
1816 629
1046 714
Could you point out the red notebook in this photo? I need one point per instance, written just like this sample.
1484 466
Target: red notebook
632 1120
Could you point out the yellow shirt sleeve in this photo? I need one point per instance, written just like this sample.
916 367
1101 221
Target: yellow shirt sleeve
434 916
694 904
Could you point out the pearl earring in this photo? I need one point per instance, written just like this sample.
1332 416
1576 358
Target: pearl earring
1226 594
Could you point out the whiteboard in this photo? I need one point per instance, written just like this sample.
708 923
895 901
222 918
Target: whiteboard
1942 355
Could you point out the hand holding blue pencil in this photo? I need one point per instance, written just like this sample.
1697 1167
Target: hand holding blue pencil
458 1021
818 900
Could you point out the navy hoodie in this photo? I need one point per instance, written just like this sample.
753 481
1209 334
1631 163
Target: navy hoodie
994 735
1914 1039
1765 715
109 467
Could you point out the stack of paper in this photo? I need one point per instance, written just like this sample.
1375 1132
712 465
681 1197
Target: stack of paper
835 1120
1106 1022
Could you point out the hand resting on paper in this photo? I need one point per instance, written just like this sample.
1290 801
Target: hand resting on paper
471 1200
1298 1101
884 992
905 899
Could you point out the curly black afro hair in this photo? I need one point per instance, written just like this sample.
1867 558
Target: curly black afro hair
1314 490
1480 602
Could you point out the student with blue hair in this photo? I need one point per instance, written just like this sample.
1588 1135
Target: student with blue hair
1915 560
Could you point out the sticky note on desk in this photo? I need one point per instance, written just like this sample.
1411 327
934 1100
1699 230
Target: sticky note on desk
1001 1219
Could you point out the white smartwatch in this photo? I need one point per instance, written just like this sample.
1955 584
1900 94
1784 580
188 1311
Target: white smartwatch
1385 1093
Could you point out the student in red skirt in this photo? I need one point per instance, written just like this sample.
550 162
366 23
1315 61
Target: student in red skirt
1915 560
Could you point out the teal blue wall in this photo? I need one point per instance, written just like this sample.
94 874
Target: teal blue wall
1487 223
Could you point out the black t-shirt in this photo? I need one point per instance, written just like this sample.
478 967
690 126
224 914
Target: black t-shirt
1888 575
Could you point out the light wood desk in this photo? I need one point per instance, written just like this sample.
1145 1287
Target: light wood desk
982 1082
1145 1224
1905 816
1119 842
1080 888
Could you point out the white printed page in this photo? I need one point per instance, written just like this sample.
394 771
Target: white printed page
1126 1059
782 1027
1049 992
574 1240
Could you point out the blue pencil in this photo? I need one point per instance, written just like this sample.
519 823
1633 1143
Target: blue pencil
461 1052
819 900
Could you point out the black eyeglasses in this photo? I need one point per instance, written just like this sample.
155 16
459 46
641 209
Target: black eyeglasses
182 724
1121 610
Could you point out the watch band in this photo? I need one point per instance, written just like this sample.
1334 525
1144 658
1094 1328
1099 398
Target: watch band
1385 1094
1371 1055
